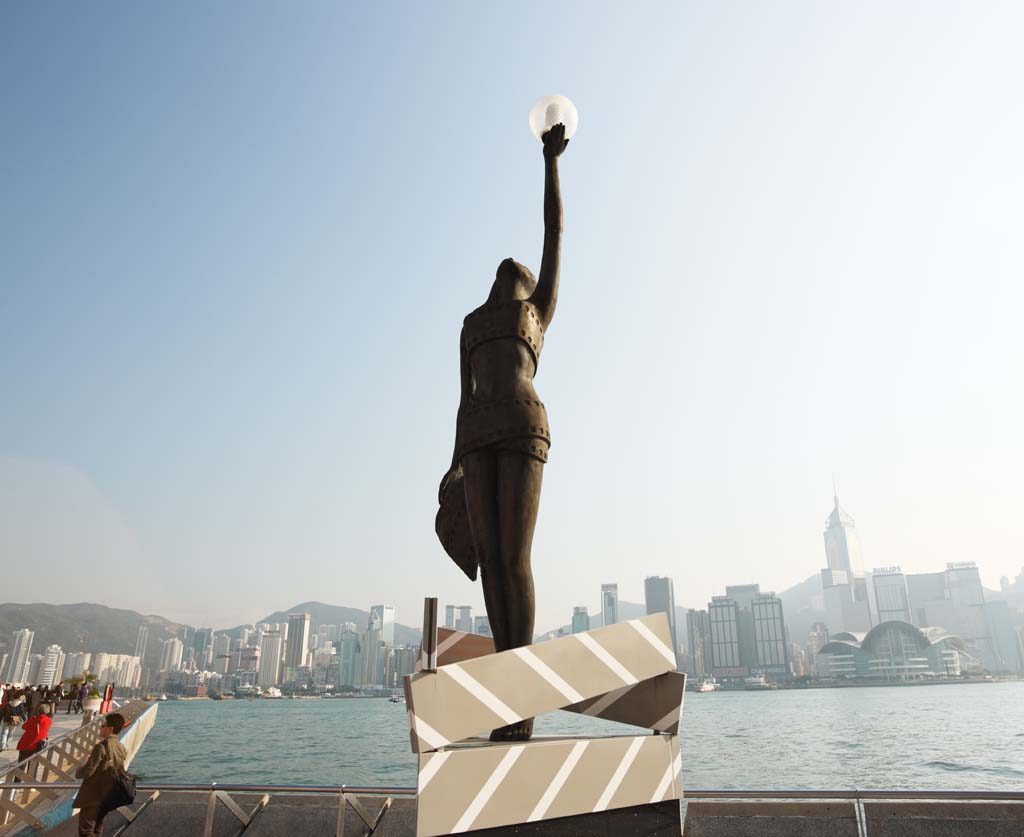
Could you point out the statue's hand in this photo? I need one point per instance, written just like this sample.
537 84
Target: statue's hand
554 141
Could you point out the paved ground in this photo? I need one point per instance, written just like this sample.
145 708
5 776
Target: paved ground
62 723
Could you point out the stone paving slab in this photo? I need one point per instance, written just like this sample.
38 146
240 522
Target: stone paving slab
182 814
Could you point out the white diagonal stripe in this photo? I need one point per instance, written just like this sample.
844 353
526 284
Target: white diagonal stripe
672 717
487 791
606 700
430 769
487 698
423 730
620 670
449 641
663 785
539 666
652 638
620 771
556 784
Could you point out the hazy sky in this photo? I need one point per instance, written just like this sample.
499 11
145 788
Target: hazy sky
237 241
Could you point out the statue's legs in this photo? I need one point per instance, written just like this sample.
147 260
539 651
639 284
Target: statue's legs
502 499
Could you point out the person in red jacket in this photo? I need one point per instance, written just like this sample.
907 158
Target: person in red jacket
34 735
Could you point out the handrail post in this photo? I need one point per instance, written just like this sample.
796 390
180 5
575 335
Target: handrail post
428 654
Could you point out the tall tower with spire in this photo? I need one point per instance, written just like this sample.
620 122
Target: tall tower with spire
843 584
842 546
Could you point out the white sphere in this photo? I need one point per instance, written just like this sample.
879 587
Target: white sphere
550 110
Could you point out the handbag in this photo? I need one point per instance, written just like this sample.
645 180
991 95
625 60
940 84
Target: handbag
122 791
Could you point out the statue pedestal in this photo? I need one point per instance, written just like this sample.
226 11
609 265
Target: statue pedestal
622 673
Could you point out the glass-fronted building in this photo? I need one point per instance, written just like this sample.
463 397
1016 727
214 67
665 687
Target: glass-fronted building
894 650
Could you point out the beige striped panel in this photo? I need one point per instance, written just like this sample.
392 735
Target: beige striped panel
473 786
656 704
458 646
465 699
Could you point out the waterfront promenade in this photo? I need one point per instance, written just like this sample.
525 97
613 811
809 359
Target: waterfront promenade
62 724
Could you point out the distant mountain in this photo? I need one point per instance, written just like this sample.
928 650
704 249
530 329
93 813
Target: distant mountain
325 614
85 627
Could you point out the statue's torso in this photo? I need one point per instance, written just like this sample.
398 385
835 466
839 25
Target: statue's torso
502 345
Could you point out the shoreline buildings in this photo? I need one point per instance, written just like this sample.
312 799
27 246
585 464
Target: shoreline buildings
742 634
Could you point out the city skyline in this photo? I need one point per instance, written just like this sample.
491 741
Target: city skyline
230 309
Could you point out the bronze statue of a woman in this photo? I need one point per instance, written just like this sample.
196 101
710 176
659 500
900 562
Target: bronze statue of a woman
490 495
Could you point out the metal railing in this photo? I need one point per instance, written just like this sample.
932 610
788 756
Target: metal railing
701 794
31 788
348 796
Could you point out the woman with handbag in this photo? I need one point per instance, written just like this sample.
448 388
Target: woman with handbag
99 774
33 736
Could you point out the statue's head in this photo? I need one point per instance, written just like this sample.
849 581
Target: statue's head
512 281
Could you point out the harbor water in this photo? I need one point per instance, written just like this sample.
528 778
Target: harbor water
962 737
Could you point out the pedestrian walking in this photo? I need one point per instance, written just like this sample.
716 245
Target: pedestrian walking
34 733
98 775
12 716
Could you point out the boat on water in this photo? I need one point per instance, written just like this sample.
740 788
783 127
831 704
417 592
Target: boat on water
163 696
704 686
395 699
758 683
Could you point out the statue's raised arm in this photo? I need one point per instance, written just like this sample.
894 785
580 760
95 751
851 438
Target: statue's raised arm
545 297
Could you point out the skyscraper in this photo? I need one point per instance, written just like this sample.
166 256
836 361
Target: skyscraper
17 662
843 585
449 616
347 648
580 620
203 646
465 619
298 642
659 597
609 604
698 639
724 622
891 596
842 546
770 647
386 617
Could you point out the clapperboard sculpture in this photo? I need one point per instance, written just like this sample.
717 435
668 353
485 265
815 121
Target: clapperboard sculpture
623 673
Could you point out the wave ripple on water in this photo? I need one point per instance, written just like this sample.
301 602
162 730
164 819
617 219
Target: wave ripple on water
957 737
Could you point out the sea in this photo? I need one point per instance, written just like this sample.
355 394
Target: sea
940 737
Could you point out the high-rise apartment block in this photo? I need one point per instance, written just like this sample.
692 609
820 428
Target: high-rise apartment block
141 641
659 597
17 661
53 666
171 654
271 655
609 604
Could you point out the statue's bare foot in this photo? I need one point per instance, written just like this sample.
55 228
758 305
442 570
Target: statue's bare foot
520 731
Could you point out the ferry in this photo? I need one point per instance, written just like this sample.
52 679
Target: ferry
395 699
704 686
758 683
